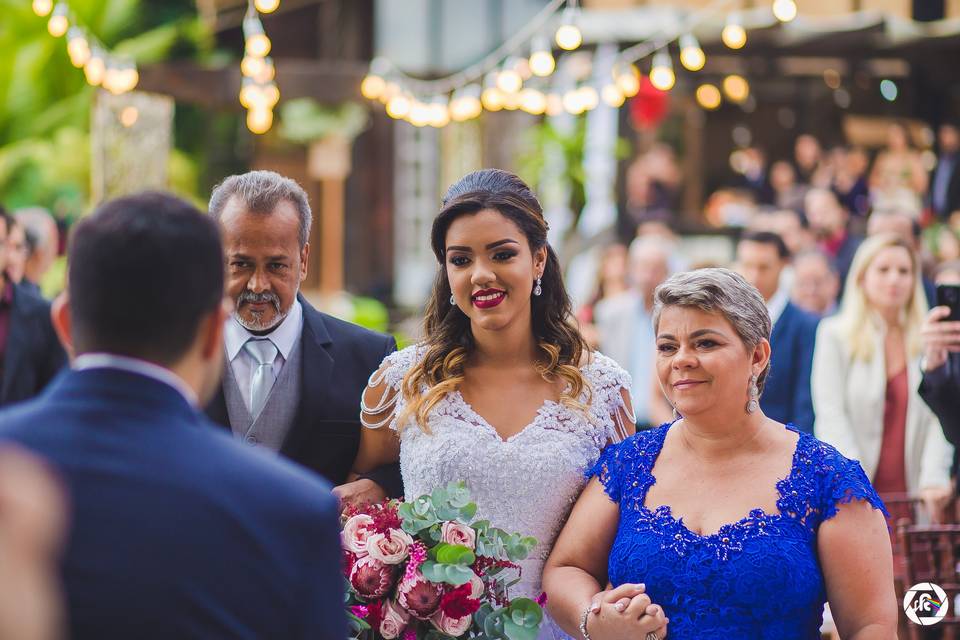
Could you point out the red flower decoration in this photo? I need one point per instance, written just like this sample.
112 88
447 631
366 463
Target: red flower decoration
457 602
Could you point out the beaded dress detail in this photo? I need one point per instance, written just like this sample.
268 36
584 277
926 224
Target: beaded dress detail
755 578
527 483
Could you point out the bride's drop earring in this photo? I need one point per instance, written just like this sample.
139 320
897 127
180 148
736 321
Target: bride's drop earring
754 394
537 289
453 301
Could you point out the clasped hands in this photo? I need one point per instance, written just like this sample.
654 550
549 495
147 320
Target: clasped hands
625 612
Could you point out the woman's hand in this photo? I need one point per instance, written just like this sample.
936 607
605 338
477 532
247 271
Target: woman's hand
936 500
625 612
939 338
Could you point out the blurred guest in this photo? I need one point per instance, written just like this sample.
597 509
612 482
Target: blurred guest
624 325
43 242
940 386
611 282
906 226
651 184
790 225
828 220
17 255
807 155
761 259
898 180
176 530
30 354
816 283
755 175
294 375
945 179
787 193
866 374
849 180
32 525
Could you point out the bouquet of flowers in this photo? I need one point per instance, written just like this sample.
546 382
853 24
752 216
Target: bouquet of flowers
423 570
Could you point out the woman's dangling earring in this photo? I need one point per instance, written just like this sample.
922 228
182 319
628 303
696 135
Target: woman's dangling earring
537 289
676 414
453 301
754 394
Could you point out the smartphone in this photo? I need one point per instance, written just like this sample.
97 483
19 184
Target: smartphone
948 295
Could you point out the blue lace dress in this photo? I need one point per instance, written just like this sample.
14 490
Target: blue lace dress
756 578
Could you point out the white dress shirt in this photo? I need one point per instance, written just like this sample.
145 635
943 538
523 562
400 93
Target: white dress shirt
89 361
243 365
778 303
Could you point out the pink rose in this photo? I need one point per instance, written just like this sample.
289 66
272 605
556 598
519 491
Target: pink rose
394 621
355 533
392 550
451 626
476 587
371 578
419 596
457 533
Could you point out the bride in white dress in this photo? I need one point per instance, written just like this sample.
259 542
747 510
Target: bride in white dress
503 393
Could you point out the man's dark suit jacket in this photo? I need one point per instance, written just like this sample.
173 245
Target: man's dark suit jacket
940 389
338 359
786 396
33 352
953 189
176 530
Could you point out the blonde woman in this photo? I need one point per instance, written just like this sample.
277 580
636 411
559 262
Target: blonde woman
866 372
502 393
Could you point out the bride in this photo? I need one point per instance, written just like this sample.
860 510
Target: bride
503 392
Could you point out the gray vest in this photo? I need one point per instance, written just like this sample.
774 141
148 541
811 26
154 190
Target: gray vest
274 422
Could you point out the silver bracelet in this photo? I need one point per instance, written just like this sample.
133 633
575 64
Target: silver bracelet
583 621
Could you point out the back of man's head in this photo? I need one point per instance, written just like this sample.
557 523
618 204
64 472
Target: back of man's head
144 271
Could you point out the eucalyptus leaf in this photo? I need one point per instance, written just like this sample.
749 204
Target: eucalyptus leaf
455 554
513 631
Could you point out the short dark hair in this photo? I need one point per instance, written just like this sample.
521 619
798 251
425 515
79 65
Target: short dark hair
144 270
8 220
767 237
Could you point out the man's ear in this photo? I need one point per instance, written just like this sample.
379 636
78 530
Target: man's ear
62 321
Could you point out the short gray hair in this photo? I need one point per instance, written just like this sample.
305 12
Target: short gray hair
718 290
261 192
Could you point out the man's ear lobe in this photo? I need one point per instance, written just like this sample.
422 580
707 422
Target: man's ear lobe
63 322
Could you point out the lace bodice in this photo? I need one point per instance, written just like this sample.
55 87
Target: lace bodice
527 483
756 578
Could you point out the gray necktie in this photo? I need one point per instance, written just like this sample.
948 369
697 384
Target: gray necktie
264 352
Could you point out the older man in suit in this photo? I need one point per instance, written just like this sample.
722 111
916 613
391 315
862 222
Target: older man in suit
294 376
176 530
30 354
761 258
944 194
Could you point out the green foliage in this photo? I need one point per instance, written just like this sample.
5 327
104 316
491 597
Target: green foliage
304 120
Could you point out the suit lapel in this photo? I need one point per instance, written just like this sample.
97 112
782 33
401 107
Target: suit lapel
317 368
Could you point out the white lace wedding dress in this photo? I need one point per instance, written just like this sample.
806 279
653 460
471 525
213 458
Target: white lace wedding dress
526 484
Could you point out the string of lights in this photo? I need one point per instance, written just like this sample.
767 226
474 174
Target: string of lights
259 93
101 68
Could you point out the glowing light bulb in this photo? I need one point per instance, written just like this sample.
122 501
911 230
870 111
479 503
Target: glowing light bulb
259 120
533 101
129 116
627 79
399 106
784 10
509 81
419 115
733 34
661 74
736 88
541 60
691 55
77 47
94 70
266 6
568 36
708 96
439 113
58 23
466 104
612 95
257 42
42 7
573 102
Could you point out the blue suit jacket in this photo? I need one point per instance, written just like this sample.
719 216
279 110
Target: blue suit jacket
786 396
33 353
176 530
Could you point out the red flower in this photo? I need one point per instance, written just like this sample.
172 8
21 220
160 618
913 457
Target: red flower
457 602
419 596
371 578
374 614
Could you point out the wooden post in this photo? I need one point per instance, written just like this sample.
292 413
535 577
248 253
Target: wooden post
329 162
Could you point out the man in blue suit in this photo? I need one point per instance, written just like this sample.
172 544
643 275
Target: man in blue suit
176 530
762 257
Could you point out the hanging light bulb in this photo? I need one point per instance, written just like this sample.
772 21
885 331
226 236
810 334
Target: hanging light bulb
612 95
733 34
257 42
708 96
398 106
573 102
784 10
465 104
736 88
589 97
509 80
58 23
691 55
374 84
251 66
42 7
627 78
95 68
533 101
568 35
271 94
77 47
259 120
491 98
267 72
554 104
439 112
112 80
661 74
266 6
419 115
390 89
251 94
541 60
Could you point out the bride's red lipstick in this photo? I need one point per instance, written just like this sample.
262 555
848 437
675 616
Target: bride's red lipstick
490 298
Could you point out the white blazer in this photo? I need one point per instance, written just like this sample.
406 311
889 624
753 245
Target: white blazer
849 398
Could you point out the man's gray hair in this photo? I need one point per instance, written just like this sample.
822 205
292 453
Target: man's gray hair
718 290
261 192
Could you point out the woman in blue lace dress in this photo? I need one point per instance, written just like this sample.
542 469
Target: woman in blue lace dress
736 525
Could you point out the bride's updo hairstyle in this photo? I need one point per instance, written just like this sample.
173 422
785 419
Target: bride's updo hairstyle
448 338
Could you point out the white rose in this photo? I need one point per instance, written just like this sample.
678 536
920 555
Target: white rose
395 620
392 550
457 533
355 533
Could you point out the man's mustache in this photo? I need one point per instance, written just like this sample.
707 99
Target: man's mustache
256 298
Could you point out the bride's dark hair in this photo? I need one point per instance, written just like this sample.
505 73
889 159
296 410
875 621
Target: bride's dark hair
449 340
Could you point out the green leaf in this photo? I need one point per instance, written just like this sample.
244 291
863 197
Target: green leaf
453 554
525 613
454 574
